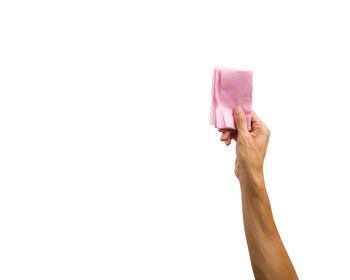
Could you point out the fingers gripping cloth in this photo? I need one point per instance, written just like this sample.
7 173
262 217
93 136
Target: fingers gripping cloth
230 88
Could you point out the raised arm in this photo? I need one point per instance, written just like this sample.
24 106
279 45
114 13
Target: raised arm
268 256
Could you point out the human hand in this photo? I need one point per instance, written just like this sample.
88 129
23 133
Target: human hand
250 146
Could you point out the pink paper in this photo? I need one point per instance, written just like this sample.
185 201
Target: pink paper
230 88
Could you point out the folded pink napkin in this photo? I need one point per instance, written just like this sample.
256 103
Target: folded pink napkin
230 88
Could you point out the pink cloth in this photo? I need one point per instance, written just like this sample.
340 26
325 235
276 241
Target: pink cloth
230 88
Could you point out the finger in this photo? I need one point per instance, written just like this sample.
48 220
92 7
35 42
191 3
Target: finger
225 129
255 118
225 136
257 123
240 120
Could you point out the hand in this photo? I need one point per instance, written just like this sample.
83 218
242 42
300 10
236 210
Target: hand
250 147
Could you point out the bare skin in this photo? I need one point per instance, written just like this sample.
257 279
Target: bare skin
268 256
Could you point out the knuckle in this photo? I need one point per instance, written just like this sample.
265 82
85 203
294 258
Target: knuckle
239 115
241 120
265 130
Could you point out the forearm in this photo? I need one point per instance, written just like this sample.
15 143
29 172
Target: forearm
267 253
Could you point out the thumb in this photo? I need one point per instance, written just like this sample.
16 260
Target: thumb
240 120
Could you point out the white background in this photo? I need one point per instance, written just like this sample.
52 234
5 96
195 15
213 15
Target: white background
108 166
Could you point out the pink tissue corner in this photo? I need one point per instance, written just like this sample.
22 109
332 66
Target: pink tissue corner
230 88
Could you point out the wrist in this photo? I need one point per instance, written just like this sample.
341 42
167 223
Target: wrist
253 180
